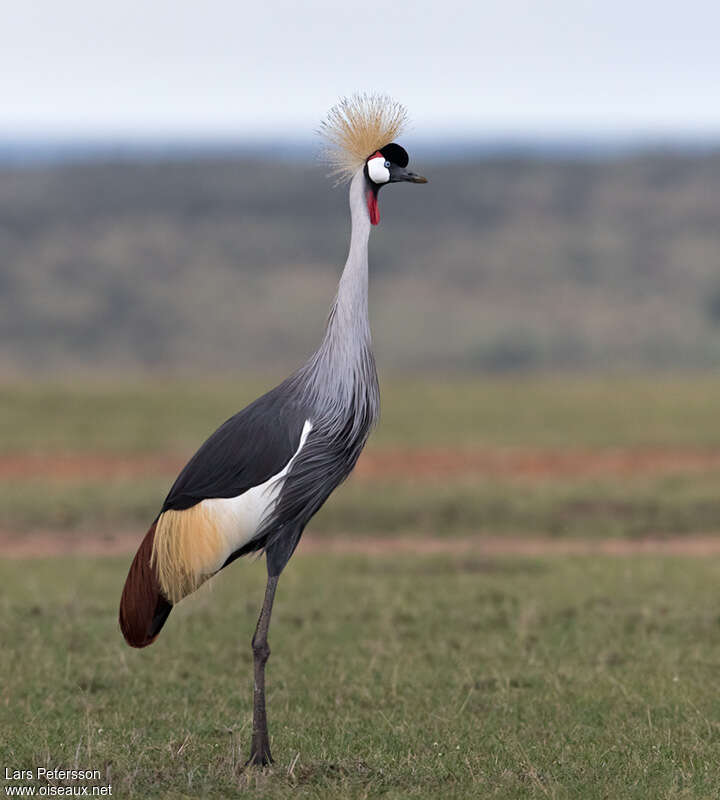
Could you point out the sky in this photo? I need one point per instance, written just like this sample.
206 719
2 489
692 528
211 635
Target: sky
271 69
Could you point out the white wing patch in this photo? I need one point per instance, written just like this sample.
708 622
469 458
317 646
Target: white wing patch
190 546
238 518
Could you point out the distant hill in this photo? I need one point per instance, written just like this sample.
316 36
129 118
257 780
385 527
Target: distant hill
507 262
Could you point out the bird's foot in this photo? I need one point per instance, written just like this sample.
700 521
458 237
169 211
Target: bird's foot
259 754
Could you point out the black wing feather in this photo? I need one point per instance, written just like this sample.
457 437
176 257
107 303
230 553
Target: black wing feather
245 451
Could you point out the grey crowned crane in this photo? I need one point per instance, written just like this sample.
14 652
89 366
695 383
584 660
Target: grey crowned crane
256 482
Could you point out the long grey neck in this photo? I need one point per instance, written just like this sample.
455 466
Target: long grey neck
349 314
344 362
348 328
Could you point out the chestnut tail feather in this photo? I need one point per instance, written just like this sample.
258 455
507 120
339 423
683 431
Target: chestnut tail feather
143 609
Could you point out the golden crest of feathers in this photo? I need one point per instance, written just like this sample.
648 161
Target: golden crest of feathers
358 126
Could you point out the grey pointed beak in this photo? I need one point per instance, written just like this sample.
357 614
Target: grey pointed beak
413 177
398 174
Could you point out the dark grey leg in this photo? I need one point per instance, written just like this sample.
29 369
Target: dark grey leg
260 748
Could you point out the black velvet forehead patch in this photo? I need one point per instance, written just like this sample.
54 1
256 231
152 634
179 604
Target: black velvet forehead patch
396 154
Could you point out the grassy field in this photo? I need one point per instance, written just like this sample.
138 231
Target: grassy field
451 675
551 411
560 678
665 419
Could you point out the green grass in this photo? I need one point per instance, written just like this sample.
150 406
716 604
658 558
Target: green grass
594 413
612 507
79 506
582 508
426 678
560 411
405 677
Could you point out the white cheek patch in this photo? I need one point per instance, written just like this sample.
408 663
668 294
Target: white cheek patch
377 170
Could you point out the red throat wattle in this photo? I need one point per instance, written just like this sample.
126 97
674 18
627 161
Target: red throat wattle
373 207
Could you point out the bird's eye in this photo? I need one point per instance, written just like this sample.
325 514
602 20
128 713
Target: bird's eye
387 165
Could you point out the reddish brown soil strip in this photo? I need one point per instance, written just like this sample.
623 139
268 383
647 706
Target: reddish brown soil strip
57 543
376 464
39 544
535 463
88 466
